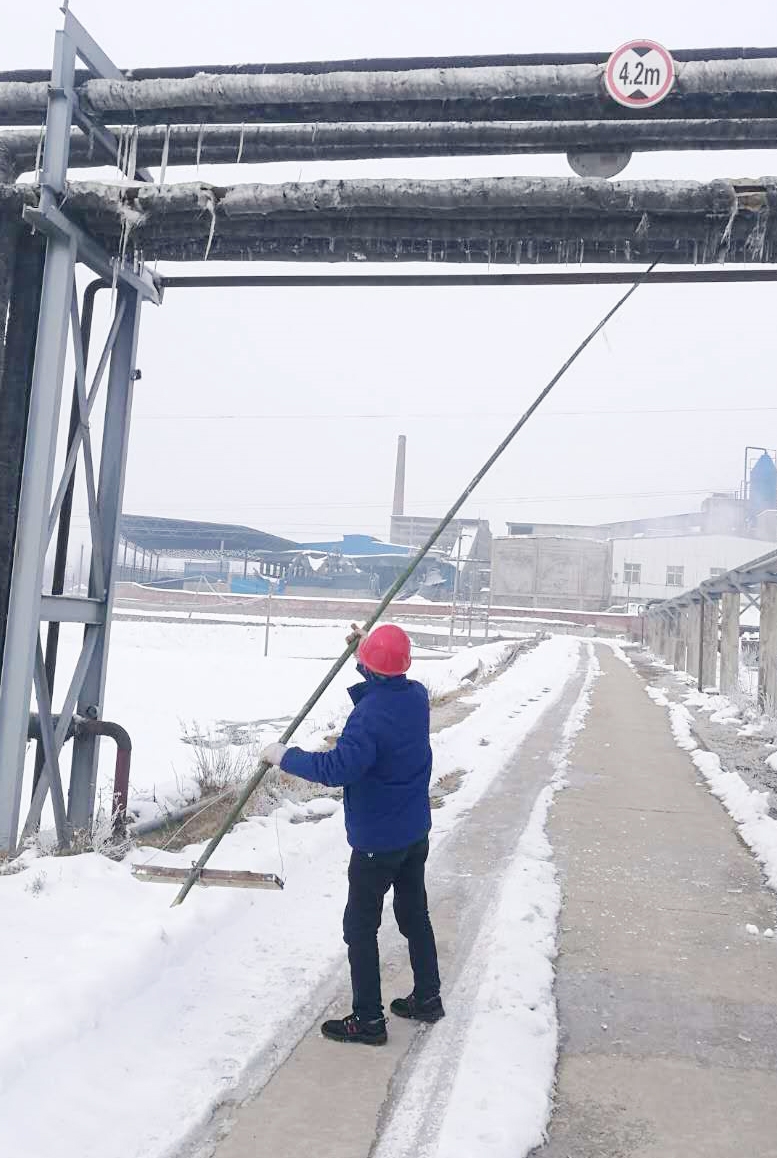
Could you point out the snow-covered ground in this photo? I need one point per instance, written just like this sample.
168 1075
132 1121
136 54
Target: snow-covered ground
168 678
126 1022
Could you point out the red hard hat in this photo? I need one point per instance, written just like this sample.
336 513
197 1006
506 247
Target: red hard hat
386 650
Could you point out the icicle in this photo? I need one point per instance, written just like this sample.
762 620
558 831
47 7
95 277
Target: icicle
644 225
120 153
240 145
123 238
207 201
132 162
39 151
114 281
165 152
199 145
756 239
725 241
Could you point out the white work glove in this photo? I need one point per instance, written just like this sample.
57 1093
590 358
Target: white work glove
273 754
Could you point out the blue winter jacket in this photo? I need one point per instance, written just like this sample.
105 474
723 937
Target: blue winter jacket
383 761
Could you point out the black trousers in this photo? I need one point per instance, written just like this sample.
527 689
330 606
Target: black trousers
370 876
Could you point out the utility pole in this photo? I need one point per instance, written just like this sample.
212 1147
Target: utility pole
267 620
488 610
455 593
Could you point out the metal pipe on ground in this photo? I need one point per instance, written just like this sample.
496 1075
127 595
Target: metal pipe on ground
80 726
121 737
396 587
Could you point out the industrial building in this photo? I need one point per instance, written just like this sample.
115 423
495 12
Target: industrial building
188 555
593 567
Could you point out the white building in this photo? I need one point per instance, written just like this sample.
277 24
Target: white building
660 567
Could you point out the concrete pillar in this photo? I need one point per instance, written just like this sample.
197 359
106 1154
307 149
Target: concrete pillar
650 632
767 650
667 641
672 638
692 640
729 643
682 647
658 636
709 661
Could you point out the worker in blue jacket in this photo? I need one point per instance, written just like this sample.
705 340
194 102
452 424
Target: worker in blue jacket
383 761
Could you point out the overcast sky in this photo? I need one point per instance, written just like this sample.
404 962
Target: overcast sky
281 408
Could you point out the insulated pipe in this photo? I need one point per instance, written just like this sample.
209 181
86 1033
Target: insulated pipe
395 94
255 144
389 64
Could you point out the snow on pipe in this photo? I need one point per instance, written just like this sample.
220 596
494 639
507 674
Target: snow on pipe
253 783
454 84
508 197
517 218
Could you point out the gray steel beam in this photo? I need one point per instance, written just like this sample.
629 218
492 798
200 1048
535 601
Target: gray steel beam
100 65
78 431
69 609
113 459
50 775
41 789
52 222
15 385
107 142
22 640
34 499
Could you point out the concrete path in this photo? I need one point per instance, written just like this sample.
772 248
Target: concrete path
329 1100
668 1006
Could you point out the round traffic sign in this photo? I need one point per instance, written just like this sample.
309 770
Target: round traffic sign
639 74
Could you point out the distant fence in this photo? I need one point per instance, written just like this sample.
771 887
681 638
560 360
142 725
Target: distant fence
315 607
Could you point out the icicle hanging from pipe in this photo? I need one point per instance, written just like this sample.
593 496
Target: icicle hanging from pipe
132 162
165 153
207 200
240 143
41 139
199 145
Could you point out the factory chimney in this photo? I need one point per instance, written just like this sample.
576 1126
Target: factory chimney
399 478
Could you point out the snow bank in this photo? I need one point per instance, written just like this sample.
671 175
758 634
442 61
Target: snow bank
500 1098
748 807
137 1020
168 677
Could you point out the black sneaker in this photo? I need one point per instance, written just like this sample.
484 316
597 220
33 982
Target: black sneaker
411 1008
351 1028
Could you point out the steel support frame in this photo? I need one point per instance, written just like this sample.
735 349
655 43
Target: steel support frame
23 659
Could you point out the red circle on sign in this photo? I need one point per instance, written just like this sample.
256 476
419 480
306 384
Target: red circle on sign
639 102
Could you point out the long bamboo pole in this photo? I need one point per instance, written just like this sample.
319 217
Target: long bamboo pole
394 590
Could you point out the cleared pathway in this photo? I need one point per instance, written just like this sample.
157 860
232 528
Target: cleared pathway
330 1100
668 1005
